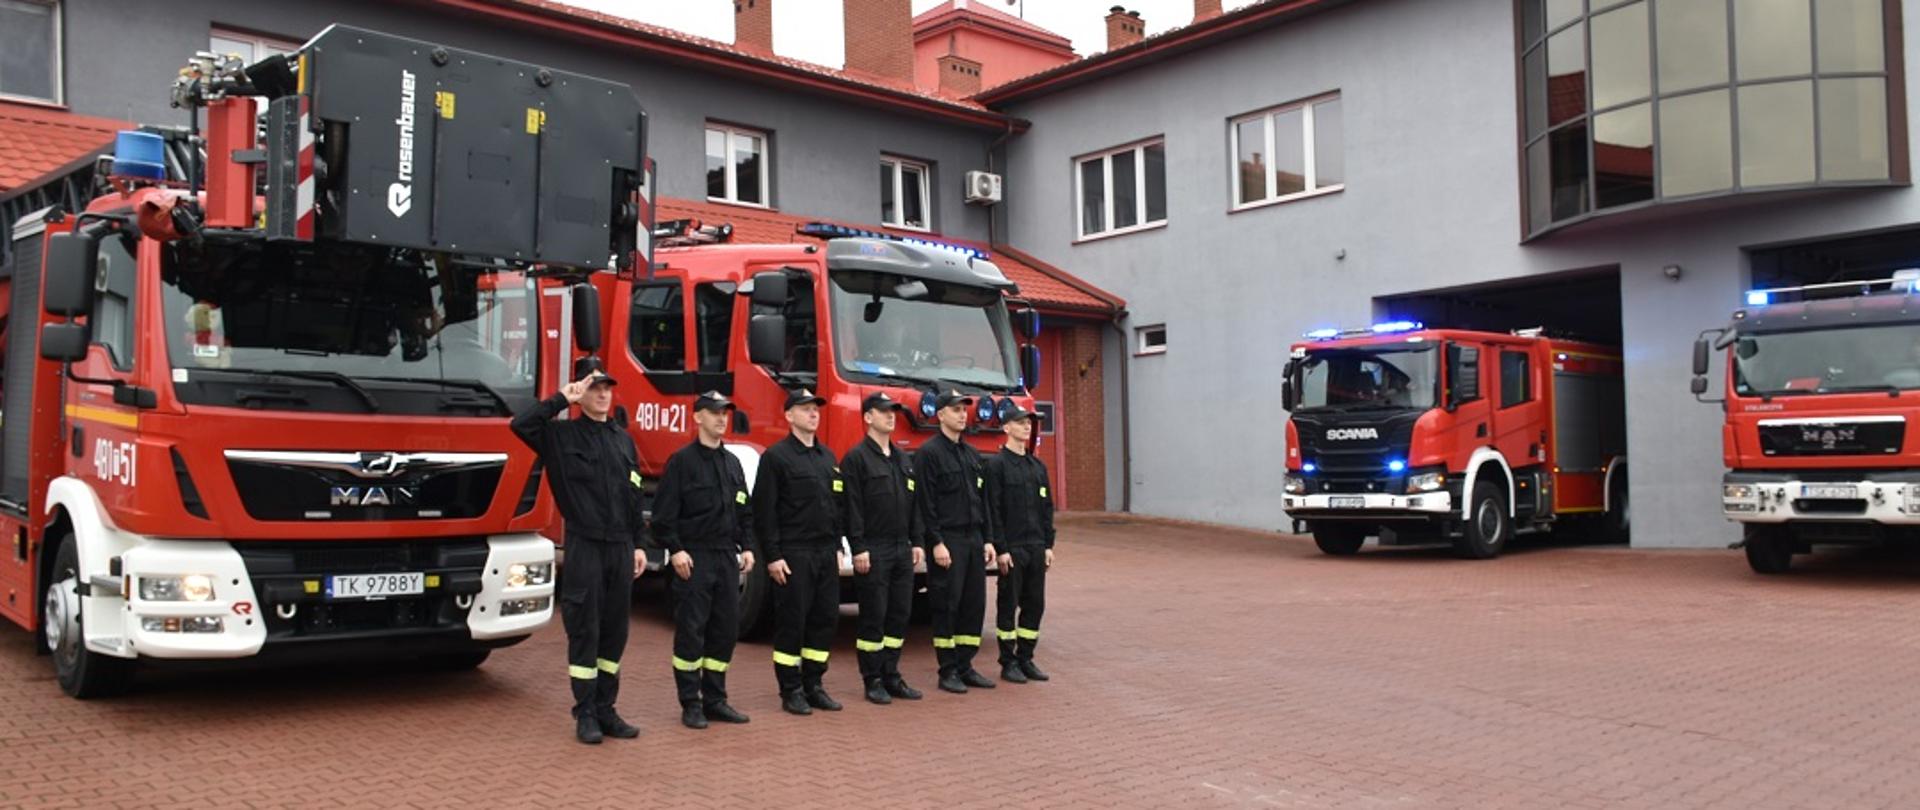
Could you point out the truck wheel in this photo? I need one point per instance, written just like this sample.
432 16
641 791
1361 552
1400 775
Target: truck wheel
82 673
1488 524
1339 540
1769 549
1616 524
756 602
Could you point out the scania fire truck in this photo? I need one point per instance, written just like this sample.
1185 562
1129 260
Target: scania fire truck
854 313
256 394
1822 382
1428 435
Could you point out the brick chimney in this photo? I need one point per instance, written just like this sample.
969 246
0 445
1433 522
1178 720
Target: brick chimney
1124 28
753 25
880 38
1204 10
959 76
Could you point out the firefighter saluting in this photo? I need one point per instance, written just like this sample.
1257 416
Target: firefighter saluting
702 518
594 473
950 481
1020 509
796 513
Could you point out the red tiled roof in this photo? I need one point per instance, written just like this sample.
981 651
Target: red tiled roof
669 43
1048 287
35 140
984 10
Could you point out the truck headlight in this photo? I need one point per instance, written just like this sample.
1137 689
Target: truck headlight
1426 481
520 575
1295 485
182 624
1737 492
183 588
521 607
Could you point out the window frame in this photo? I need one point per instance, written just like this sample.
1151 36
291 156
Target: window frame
678 290
1526 377
257 41
732 131
1309 147
1140 333
897 168
1139 151
58 49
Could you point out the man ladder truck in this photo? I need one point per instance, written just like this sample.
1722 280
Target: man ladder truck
1439 435
256 401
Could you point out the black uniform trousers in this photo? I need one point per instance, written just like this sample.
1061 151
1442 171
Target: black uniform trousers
886 603
596 588
959 596
706 623
805 611
1024 589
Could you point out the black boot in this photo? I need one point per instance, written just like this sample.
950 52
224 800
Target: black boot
952 683
691 716
899 688
587 729
817 697
795 703
1010 672
1032 672
725 713
877 693
613 726
973 678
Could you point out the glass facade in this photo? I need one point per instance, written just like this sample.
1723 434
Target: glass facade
1628 102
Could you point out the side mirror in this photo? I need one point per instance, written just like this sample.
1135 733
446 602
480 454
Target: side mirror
1463 376
766 337
1026 322
1287 400
65 342
770 289
586 317
73 260
1699 386
1700 357
1029 366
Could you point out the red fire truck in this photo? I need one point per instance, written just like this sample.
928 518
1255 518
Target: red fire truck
855 313
256 398
1427 435
1819 385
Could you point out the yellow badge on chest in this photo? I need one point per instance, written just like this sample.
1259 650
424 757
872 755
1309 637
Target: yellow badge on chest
910 486
838 485
634 477
1043 492
740 497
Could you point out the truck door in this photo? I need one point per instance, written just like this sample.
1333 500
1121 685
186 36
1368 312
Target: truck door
1519 417
105 434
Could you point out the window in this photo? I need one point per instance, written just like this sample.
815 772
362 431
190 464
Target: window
251 48
657 328
903 194
30 49
1516 378
1635 102
713 314
1288 152
1150 339
1122 190
736 165
113 300
803 326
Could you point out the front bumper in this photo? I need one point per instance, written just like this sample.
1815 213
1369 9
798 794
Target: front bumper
1371 505
1891 499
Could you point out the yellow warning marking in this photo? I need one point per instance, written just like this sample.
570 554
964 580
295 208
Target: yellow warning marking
115 418
443 100
300 86
536 120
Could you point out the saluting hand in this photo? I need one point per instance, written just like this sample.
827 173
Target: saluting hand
778 570
683 565
573 391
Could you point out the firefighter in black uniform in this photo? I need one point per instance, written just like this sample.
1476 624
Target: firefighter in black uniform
950 483
702 518
594 474
1020 506
796 513
884 525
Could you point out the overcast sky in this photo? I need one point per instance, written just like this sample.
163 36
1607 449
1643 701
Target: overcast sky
812 29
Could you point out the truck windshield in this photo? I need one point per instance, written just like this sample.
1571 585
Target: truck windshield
1861 358
889 326
398 332
1341 379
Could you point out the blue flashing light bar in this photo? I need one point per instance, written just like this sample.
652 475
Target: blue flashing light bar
824 230
1328 333
1396 465
1756 298
1390 327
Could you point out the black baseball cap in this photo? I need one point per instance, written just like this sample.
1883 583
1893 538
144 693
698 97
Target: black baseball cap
1017 413
803 396
590 364
712 401
950 397
879 400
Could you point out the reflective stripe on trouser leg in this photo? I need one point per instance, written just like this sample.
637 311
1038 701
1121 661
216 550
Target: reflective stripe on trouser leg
1020 604
941 607
823 613
721 584
692 608
885 606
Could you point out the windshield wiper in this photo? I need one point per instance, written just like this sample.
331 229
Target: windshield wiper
1892 390
335 377
470 385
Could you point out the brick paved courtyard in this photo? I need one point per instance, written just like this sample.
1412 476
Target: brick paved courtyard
1193 667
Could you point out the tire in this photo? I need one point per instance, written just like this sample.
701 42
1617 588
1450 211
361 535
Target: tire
1769 549
756 602
1617 523
1488 523
82 673
1339 540
457 661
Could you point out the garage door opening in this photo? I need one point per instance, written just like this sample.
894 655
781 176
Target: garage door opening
1580 305
1865 257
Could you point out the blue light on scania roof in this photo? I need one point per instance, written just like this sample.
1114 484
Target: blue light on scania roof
1396 326
823 230
1757 298
1328 333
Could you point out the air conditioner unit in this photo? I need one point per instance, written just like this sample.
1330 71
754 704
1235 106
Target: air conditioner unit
983 188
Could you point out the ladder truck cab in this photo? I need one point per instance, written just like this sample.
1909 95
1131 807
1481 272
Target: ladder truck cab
257 394
1423 435
1822 383
854 313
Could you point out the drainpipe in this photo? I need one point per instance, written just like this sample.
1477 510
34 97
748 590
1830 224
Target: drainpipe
993 214
1126 412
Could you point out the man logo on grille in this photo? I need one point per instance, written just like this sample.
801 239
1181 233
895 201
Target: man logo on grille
385 465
